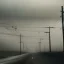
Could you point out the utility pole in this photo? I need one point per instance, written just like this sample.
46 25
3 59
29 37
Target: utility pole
20 43
23 46
49 37
62 25
26 49
40 44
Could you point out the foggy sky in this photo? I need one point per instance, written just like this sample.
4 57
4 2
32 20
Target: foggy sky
31 8
40 13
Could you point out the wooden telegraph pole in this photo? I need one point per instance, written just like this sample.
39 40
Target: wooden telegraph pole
62 24
40 44
49 37
20 43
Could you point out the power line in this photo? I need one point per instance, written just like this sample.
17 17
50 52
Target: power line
37 27
8 34
13 35
36 30
18 35
31 31
8 25
32 36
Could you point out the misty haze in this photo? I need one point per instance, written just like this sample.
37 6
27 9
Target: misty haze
30 26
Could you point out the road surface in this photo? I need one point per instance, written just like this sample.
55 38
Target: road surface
46 58
40 58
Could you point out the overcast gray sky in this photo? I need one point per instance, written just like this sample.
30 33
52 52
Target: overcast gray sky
33 8
45 12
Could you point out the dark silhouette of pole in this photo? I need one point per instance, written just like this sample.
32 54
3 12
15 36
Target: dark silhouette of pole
23 46
62 24
20 43
26 49
40 44
49 37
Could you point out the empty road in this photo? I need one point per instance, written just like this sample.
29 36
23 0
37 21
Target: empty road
46 58
39 58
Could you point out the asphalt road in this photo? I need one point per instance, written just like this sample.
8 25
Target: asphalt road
45 58
41 58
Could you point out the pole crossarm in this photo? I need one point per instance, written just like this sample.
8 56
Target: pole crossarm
46 32
62 11
49 27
